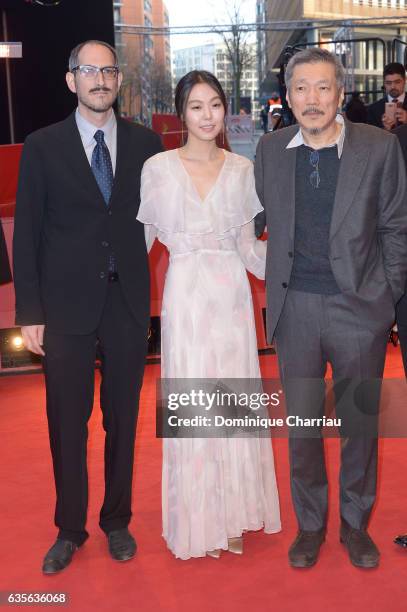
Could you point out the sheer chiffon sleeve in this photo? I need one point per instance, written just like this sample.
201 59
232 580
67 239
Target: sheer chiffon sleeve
251 250
148 202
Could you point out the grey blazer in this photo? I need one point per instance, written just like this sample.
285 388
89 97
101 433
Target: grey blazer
368 234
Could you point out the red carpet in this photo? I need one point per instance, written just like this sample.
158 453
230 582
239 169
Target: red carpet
259 580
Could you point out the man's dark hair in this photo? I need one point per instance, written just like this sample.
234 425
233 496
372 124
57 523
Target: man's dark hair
184 86
74 55
394 68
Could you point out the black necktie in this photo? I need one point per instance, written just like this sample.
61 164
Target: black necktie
102 166
102 169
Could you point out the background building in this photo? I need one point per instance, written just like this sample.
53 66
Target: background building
214 57
201 57
145 59
364 61
261 18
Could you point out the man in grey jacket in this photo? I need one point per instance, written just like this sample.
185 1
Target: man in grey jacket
336 215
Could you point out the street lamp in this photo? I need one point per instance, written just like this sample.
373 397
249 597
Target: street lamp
9 50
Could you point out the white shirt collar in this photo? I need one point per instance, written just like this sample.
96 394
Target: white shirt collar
298 139
399 99
87 130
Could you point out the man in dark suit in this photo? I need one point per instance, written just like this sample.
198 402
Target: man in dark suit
401 306
394 80
336 265
81 277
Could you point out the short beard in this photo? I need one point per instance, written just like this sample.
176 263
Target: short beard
316 131
97 109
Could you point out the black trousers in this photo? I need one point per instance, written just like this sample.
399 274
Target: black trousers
401 320
315 330
69 375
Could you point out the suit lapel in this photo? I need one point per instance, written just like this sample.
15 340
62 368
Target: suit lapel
353 163
287 195
76 157
122 158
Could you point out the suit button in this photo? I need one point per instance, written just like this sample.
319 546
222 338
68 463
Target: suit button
284 285
290 254
105 244
102 275
109 212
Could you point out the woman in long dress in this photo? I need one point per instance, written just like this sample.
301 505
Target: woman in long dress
200 202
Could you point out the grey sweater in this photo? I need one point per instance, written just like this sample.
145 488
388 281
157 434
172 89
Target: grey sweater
311 270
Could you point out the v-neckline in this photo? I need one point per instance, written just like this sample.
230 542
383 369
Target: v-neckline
214 184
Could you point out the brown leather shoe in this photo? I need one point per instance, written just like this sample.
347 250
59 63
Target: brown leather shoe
363 552
304 550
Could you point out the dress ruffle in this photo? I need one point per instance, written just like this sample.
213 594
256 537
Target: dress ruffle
232 206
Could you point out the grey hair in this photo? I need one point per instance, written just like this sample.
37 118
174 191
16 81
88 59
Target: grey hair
74 56
314 55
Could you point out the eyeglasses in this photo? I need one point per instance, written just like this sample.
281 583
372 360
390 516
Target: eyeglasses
314 177
90 72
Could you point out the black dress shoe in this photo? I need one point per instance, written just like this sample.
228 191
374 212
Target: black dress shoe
59 556
401 540
122 545
363 552
304 550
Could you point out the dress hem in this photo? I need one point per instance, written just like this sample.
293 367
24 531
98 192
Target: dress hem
272 531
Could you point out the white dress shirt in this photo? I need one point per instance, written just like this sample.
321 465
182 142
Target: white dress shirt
399 99
298 139
87 131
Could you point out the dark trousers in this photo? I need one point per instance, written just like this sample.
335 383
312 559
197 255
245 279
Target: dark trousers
312 331
69 375
401 320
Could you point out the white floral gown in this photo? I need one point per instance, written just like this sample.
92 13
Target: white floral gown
212 489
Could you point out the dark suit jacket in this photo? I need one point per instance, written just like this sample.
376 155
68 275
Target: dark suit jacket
401 133
5 272
376 110
368 233
64 231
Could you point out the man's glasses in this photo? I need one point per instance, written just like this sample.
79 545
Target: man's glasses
91 72
314 177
